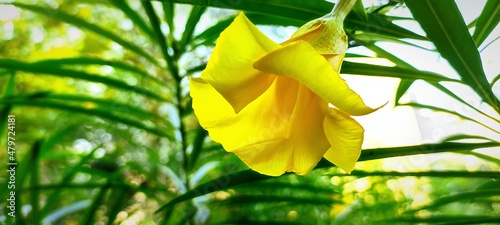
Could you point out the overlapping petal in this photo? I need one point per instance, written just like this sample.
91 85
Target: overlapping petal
304 146
229 69
282 130
346 136
298 60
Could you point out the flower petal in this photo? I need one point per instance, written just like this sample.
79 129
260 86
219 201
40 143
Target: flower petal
280 131
345 136
230 70
326 35
263 120
308 32
305 145
300 61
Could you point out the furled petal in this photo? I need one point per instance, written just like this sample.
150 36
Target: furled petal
345 136
308 32
230 70
300 61
326 35
280 131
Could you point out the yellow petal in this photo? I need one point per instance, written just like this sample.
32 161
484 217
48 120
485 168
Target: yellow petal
301 62
326 35
308 32
230 70
305 145
280 131
345 136
263 120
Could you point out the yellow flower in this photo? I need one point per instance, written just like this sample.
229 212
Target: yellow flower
268 103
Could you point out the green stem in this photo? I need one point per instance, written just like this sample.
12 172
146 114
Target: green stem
342 8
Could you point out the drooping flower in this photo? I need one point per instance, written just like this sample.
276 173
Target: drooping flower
271 104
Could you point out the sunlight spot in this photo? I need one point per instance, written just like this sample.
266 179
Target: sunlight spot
292 215
81 178
74 33
37 34
116 47
8 29
9 12
82 146
170 111
361 185
335 180
126 24
423 213
26 209
164 28
99 153
96 90
222 195
107 69
122 215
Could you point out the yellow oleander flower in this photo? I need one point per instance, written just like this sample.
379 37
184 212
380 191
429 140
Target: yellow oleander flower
268 103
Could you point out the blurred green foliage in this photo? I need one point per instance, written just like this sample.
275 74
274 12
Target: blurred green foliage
105 133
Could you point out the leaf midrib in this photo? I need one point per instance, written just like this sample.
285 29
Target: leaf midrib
486 25
455 50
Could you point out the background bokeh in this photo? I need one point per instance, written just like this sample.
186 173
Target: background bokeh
105 133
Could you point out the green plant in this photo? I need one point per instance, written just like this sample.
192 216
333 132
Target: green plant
105 131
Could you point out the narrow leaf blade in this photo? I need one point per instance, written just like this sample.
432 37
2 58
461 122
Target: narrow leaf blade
445 27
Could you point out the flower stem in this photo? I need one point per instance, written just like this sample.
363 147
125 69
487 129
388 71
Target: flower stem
342 8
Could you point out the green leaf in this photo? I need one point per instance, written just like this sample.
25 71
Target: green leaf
44 103
379 26
10 90
194 18
168 10
445 27
487 21
156 24
118 198
66 210
447 219
60 15
298 10
209 36
497 77
404 84
484 157
359 10
452 174
62 72
252 199
91 212
395 72
439 109
66 180
304 11
460 197
111 106
300 187
461 100
34 181
98 61
200 136
366 37
54 139
135 17
223 182
249 176
462 137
